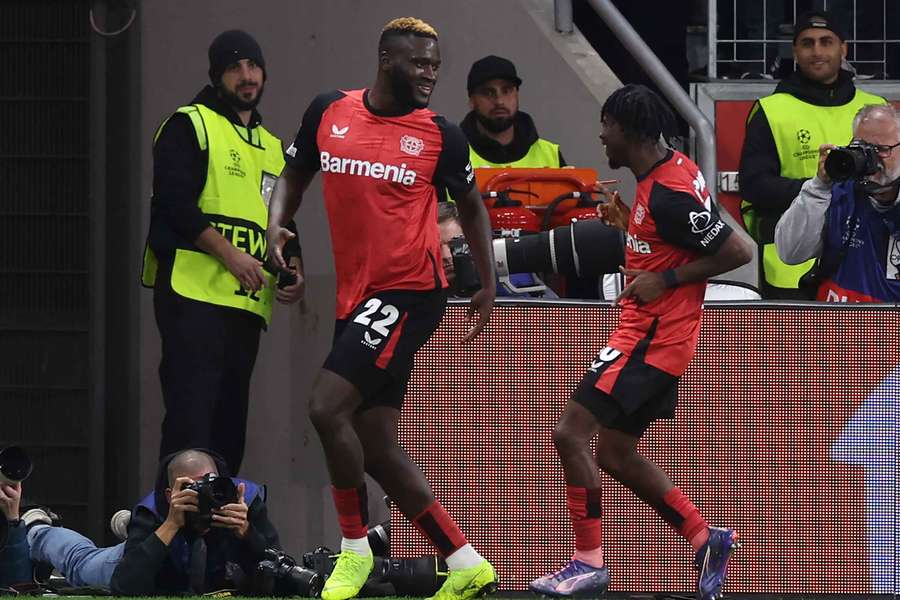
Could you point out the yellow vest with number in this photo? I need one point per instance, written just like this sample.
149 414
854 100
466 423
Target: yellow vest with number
799 128
541 154
242 168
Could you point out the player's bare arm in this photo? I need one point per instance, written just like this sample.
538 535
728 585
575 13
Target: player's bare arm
286 198
647 286
473 218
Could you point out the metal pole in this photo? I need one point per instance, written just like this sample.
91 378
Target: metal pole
563 16
97 277
712 20
706 138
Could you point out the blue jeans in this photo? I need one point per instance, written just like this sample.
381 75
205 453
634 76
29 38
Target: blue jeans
80 561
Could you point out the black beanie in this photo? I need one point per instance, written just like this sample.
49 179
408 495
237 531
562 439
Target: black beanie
228 48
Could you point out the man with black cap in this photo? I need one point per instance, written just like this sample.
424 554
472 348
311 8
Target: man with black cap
814 106
499 134
214 167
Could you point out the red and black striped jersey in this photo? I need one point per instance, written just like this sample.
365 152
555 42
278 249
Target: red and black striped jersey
673 221
379 173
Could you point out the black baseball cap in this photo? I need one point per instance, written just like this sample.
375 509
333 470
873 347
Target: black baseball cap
818 19
491 67
228 48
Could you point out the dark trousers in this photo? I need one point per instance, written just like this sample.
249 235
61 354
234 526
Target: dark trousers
208 353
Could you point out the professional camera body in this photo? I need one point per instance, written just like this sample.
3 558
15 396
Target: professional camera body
213 492
857 160
279 575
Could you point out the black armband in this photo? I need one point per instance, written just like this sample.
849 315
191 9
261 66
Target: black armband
670 278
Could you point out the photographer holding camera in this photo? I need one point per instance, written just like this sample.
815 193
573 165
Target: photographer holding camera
191 518
848 215
196 532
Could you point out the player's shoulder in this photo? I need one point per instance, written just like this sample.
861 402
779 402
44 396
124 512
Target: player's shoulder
322 101
678 173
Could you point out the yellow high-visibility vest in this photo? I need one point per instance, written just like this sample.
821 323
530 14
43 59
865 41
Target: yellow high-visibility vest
799 128
242 169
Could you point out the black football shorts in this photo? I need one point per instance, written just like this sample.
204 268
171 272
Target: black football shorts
638 393
374 347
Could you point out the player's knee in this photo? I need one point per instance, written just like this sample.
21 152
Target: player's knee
566 442
323 415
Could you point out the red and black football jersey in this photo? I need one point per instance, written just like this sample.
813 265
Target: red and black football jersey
379 173
673 221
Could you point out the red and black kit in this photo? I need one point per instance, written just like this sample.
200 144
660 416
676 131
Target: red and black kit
634 378
379 173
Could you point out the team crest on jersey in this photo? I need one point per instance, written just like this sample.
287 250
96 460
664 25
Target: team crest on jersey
411 145
639 214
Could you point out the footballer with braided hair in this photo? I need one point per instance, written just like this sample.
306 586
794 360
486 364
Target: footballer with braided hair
675 242
382 153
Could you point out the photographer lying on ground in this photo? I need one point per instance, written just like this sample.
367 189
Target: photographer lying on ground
848 215
195 532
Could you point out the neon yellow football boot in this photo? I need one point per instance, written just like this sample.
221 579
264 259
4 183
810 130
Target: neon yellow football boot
350 573
466 584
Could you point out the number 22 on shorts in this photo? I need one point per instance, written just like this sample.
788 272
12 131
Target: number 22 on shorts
388 313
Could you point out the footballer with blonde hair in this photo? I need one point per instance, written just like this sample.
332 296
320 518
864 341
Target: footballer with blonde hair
382 154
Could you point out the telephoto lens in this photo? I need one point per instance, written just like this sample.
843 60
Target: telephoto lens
15 465
420 577
380 539
582 249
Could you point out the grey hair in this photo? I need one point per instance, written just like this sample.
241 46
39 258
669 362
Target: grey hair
870 109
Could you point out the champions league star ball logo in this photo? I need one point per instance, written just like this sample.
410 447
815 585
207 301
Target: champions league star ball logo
803 136
411 145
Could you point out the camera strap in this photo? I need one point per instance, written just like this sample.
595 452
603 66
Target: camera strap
197 569
827 267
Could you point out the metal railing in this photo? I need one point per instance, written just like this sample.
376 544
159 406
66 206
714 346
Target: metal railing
758 44
668 85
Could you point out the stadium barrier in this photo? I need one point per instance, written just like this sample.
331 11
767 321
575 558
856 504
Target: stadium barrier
787 430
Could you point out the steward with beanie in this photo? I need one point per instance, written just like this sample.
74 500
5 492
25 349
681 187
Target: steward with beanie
814 106
214 167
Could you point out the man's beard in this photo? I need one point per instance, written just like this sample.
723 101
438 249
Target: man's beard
236 102
884 197
402 90
495 125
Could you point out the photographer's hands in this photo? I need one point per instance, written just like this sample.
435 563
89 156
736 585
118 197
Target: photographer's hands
181 501
821 174
233 516
10 496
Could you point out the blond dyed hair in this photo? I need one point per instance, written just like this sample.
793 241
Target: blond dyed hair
408 25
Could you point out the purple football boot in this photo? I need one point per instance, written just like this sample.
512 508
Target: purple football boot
575 580
712 562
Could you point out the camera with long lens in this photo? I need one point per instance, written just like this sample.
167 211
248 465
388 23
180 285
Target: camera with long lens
213 492
278 574
583 249
390 576
466 281
857 160
416 577
15 467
